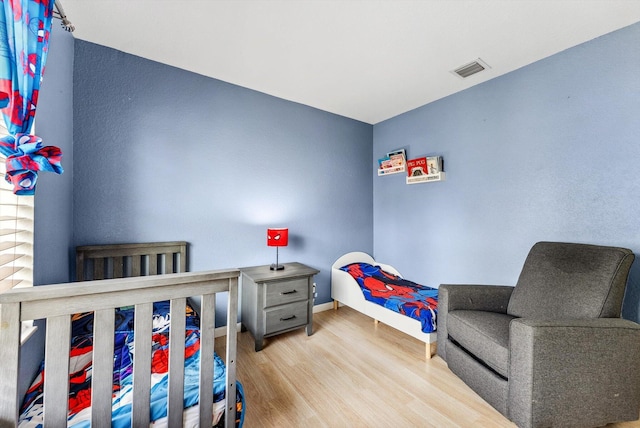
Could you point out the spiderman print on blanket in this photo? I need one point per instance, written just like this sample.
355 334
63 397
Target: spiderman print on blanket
396 293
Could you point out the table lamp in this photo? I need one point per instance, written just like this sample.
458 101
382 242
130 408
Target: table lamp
277 238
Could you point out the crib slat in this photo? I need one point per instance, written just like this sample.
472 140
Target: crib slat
102 377
168 263
118 267
153 264
56 366
175 392
10 358
207 339
98 268
108 267
142 364
182 258
232 340
80 266
135 265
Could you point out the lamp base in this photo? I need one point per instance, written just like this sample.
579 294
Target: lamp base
276 267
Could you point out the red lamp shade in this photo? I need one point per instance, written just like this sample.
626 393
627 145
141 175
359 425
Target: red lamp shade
278 237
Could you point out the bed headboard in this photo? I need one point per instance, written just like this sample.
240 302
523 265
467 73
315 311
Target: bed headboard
126 260
360 257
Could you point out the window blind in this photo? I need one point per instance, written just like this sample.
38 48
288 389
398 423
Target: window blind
16 234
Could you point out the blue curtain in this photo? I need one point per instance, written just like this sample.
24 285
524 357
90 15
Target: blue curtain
25 26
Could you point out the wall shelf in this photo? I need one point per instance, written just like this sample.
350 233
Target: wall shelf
428 178
392 170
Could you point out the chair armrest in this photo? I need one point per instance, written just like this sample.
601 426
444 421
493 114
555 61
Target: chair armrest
493 298
592 364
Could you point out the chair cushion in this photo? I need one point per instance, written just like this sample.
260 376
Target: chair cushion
568 281
485 335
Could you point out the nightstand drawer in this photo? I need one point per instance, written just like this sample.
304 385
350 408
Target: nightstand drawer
289 316
279 293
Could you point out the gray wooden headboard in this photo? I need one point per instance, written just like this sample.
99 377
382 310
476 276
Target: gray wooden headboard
125 260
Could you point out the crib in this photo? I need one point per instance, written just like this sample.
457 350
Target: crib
116 285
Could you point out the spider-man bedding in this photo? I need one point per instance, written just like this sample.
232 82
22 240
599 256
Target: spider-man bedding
80 365
396 293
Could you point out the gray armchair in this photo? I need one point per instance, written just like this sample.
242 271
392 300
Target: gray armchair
553 350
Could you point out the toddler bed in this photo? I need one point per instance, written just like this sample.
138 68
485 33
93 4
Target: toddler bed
346 290
124 351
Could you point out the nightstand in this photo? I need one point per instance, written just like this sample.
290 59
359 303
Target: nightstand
276 301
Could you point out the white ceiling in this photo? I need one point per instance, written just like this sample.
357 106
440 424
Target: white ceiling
364 59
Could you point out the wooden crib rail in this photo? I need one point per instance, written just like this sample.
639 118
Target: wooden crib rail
126 260
57 303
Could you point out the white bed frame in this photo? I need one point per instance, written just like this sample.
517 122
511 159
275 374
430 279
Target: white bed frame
345 290
57 303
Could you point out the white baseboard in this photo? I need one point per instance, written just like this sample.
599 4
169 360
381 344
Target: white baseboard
323 307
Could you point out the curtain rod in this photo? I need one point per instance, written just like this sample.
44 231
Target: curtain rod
59 13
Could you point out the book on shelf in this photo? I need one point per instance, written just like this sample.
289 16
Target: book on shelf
397 160
397 153
417 167
427 165
434 164
393 160
384 162
424 169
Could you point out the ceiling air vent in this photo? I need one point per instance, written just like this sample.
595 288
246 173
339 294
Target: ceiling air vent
470 69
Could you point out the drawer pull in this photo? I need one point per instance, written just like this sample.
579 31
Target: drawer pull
288 292
288 318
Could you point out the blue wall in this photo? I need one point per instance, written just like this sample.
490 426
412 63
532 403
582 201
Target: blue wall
53 234
162 154
548 152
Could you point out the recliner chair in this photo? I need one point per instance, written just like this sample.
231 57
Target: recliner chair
553 350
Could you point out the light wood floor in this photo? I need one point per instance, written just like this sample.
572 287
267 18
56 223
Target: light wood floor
350 373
